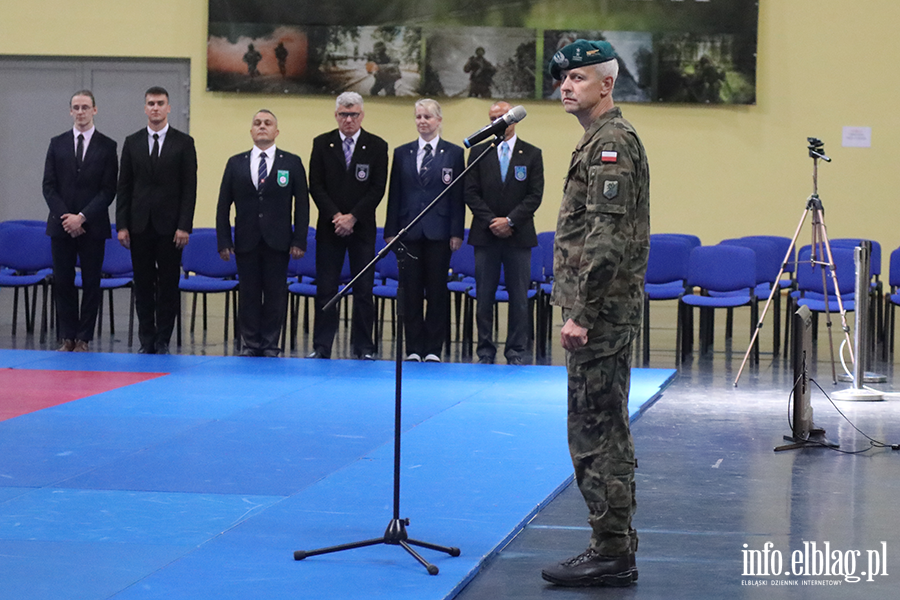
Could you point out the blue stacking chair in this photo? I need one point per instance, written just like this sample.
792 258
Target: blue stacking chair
116 273
28 264
461 279
726 278
204 272
546 240
809 282
768 264
301 284
691 239
386 291
501 296
876 288
667 271
892 300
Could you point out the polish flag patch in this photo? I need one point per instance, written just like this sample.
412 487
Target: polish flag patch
609 157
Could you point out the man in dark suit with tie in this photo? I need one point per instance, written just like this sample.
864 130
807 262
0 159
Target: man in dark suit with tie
347 178
154 217
423 169
266 185
79 185
503 191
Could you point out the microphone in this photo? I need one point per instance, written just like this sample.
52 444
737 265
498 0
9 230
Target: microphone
499 125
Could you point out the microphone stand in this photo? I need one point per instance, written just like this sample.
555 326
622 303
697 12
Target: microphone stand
395 534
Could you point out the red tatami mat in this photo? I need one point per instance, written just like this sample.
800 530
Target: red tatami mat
28 390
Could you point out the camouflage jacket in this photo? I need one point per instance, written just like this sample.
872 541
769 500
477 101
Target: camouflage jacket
603 234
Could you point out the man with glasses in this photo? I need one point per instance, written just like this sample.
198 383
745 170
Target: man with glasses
79 185
347 179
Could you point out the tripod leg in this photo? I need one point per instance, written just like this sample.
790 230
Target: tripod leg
452 551
432 570
301 554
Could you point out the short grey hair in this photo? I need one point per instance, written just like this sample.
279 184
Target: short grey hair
609 68
348 99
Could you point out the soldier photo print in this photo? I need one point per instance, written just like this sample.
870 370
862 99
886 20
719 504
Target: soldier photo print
245 57
701 52
480 62
371 61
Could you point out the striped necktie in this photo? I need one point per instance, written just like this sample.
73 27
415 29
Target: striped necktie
426 163
262 171
348 151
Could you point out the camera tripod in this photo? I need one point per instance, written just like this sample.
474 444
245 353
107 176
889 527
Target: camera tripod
820 255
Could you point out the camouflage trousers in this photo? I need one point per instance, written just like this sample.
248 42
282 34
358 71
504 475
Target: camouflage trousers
602 448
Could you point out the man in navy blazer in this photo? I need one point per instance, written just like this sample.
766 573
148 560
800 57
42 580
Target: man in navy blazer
154 217
421 170
347 179
265 185
79 185
503 191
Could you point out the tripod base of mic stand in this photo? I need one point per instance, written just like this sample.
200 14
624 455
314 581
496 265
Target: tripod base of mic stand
867 377
816 439
858 395
394 535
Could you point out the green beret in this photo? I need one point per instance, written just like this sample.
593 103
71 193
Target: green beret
580 53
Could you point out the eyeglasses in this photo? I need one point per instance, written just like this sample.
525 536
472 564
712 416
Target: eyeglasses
348 115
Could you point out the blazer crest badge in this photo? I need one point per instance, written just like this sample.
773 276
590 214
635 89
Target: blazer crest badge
283 178
521 173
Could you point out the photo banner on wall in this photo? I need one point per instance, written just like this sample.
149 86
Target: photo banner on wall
683 51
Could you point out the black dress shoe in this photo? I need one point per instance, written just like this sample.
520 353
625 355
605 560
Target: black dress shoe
249 352
485 360
162 348
592 569
147 350
272 353
316 354
515 360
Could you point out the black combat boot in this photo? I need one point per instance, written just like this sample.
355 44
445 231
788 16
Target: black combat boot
592 569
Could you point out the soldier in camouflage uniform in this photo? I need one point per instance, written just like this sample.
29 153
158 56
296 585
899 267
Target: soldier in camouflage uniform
600 257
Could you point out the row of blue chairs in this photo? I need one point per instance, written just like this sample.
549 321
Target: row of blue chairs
742 272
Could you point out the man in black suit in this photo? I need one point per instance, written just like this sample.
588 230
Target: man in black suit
347 178
79 185
265 185
154 216
503 191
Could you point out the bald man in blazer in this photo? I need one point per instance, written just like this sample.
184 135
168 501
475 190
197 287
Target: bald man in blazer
79 185
154 217
267 186
503 203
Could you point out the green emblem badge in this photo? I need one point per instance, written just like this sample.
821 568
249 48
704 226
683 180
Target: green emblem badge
610 189
283 178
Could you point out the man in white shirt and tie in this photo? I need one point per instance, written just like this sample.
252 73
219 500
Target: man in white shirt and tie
503 191
347 179
267 187
79 185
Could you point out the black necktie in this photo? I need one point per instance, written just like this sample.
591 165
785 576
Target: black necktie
262 171
79 151
426 162
154 154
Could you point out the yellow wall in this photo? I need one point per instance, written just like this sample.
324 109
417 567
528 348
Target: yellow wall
716 171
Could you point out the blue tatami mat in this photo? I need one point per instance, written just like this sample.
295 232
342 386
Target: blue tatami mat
201 484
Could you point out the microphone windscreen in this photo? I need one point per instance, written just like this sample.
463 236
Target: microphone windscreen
518 113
